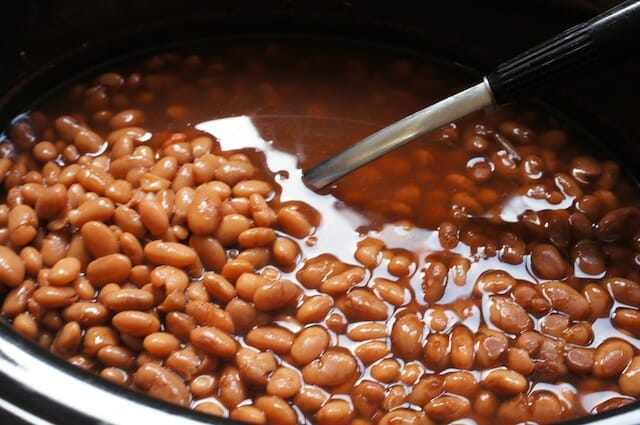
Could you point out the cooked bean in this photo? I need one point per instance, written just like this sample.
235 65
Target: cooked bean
337 412
309 345
214 341
15 302
274 294
505 382
629 380
26 325
210 252
341 282
256 367
55 297
611 357
294 222
406 337
566 299
334 367
128 299
159 382
434 281
548 262
285 251
509 315
11 267
624 290
273 338
276 410
67 340
447 408
64 271
314 309
110 268
248 414
284 383
97 337
22 225
99 239
86 313
161 344
154 217
207 314
362 304
170 253
136 323
203 215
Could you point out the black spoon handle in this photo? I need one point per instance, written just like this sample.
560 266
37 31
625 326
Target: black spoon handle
601 39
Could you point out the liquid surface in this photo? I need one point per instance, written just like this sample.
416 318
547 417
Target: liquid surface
488 270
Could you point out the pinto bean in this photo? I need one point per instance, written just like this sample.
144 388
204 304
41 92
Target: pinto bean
566 299
547 262
274 294
611 358
159 382
212 340
12 269
629 380
624 290
505 381
170 253
434 281
276 410
110 268
406 336
136 323
447 408
334 367
362 304
509 315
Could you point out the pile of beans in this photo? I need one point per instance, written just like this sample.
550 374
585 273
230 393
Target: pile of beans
496 275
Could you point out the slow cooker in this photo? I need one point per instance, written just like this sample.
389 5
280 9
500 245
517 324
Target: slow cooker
45 43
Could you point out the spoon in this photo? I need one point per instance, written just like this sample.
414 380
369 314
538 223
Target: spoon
612 33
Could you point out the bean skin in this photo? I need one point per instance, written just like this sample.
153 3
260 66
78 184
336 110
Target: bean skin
611 358
566 299
505 382
161 383
170 253
334 367
214 341
309 345
509 315
11 267
276 410
629 380
406 336
273 338
447 408
99 239
154 217
64 271
110 268
548 262
136 323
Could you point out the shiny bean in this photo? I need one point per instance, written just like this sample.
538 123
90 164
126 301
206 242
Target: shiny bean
136 323
161 383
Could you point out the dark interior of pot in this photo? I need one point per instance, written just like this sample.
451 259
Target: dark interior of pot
518 314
